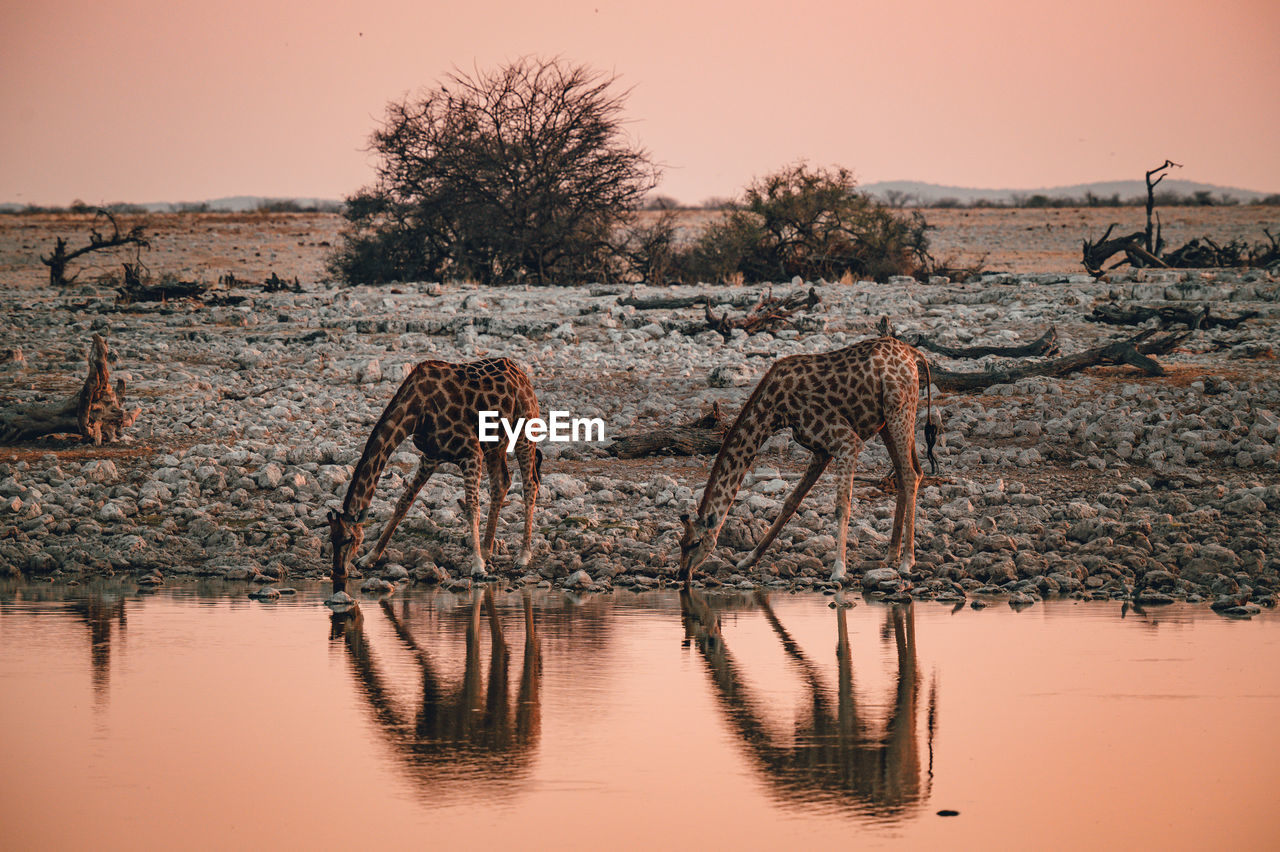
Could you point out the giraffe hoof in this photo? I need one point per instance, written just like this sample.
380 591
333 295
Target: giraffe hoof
746 563
837 573
523 560
477 568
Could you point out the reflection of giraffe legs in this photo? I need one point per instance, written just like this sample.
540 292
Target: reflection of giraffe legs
815 469
528 706
426 467
833 750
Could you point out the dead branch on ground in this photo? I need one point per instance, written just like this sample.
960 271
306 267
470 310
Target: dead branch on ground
1095 254
1135 351
1046 344
768 314
1168 315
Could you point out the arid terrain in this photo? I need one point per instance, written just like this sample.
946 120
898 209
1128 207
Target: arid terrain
1102 483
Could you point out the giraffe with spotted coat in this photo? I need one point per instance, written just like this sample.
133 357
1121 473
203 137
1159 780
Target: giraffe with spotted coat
833 403
438 404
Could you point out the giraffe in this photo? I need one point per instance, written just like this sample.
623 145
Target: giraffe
833 402
438 404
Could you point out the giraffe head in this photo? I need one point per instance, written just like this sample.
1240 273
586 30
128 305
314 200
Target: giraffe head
696 543
346 533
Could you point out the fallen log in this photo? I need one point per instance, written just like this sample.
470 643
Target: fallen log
737 300
768 314
702 436
662 302
135 291
1135 351
1046 344
96 413
1192 318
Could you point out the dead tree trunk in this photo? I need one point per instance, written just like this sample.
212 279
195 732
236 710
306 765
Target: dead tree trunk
1135 351
702 436
1046 344
1154 247
96 413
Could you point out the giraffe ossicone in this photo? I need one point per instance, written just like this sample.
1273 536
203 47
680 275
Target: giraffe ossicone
833 402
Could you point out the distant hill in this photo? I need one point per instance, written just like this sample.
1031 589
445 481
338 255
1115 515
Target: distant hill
228 204
928 193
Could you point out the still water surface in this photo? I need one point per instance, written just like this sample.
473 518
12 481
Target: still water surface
196 717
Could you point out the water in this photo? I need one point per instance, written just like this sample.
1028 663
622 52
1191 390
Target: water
199 717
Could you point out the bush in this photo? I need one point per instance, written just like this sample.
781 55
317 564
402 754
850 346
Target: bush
518 175
812 223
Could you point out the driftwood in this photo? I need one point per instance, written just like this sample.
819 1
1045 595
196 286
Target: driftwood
276 284
1167 314
1203 252
1095 254
58 260
96 413
135 290
1046 344
663 302
737 300
767 314
702 436
1135 351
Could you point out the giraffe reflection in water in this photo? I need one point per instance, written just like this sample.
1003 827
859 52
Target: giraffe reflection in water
462 728
99 613
837 754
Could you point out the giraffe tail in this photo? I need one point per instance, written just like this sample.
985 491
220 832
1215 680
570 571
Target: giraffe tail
930 427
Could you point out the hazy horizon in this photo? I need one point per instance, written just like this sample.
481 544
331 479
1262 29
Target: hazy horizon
1132 191
142 101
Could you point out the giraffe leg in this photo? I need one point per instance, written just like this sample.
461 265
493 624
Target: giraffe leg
846 461
899 438
499 482
426 467
527 455
816 467
471 466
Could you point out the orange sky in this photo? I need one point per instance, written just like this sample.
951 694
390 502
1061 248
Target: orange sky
142 100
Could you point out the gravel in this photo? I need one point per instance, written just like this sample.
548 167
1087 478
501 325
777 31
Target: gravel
1106 483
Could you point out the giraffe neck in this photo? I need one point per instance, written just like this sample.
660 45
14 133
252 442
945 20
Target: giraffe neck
748 433
395 424
365 479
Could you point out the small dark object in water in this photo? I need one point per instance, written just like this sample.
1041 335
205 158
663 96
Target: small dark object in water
945 812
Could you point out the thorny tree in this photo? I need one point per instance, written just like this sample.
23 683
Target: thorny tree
516 175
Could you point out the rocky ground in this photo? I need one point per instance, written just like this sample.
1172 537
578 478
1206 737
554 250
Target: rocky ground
1103 484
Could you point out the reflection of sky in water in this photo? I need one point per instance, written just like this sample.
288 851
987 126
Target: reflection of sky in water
632 720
